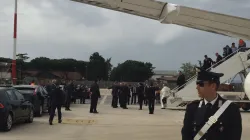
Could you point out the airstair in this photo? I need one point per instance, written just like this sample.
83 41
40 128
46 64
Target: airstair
232 65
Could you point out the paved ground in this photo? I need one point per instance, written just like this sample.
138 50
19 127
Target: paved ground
109 124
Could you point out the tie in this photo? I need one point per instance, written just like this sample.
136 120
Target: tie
208 111
208 106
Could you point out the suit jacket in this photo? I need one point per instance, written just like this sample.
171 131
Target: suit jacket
56 95
228 126
95 90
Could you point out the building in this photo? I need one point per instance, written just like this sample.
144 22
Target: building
166 76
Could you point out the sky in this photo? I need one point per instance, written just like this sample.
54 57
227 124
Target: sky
65 29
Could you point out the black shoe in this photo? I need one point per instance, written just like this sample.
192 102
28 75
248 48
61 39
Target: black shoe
95 112
90 111
59 121
140 108
50 123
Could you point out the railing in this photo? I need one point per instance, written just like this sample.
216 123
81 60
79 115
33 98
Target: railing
176 89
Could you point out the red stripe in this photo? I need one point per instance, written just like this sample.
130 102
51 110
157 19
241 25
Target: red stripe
15 25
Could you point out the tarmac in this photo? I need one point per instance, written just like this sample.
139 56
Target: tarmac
109 124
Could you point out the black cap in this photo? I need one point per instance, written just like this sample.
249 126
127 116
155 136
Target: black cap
208 76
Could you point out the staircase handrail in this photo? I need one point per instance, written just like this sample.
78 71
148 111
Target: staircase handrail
173 91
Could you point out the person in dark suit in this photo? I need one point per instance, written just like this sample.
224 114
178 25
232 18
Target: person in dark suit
200 114
115 89
95 94
140 93
56 101
70 89
181 80
150 94
123 98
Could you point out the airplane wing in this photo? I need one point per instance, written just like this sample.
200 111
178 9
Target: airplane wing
168 13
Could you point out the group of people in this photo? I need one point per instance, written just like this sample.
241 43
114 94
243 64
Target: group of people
146 94
59 97
227 53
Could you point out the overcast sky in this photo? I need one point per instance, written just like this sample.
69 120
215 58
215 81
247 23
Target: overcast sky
65 29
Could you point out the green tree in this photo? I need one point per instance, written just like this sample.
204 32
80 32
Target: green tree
132 71
22 56
98 67
188 70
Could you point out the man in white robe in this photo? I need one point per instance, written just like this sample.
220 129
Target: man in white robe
165 92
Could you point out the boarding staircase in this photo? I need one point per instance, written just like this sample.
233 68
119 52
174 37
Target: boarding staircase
231 66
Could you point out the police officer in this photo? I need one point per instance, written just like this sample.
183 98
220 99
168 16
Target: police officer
212 117
95 94
56 101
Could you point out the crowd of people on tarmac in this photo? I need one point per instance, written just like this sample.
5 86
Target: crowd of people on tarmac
228 52
62 94
142 94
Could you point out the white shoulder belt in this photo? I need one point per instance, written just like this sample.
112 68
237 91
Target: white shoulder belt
212 120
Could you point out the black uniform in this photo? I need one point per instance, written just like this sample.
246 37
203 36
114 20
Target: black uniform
140 92
114 93
207 63
150 94
229 124
181 80
56 103
70 89
95 94
123 97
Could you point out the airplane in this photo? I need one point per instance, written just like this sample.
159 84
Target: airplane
168 13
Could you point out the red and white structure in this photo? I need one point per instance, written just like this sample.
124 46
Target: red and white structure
13 75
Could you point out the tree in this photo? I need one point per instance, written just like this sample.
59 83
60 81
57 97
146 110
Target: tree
22 56
188 70
108 68
98 67
132 71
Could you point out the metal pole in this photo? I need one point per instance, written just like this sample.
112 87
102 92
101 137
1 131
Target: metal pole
14 46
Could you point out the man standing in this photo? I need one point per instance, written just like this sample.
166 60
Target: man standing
123 98
70 89
212 117
56 101
181 80
140 92
95 94
134 94
150 93
115 89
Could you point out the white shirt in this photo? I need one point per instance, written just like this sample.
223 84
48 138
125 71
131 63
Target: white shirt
212 102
